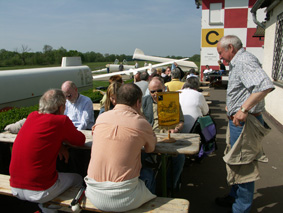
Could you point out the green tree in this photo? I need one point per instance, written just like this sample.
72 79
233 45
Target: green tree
24 53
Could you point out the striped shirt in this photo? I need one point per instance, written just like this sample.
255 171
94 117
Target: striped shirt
245 77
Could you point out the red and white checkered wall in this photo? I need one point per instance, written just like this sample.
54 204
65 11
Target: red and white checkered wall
235 19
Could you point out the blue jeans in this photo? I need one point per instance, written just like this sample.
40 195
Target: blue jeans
243 193
177 165
147 174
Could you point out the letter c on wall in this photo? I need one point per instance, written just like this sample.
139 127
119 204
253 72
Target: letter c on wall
210 37
207 37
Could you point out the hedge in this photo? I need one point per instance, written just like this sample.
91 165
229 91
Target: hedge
16 114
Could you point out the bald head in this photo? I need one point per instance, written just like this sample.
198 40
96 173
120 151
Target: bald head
156 85
70 91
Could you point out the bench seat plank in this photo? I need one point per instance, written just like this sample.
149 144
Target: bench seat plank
159 204
164 204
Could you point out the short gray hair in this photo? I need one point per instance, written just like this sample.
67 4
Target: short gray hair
51 100
144 76
231 39
175 73
192 82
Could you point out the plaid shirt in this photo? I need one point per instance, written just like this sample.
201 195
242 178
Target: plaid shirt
245 77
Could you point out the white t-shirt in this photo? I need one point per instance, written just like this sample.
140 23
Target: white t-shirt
207 71
193 105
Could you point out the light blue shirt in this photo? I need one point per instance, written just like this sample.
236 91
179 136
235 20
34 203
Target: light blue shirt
80 112
245 77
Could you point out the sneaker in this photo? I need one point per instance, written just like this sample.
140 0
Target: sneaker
226 201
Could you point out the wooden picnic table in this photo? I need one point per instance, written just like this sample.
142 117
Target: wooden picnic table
204 83
96 106
205 93
186 143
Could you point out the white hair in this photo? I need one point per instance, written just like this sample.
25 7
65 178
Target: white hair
225 41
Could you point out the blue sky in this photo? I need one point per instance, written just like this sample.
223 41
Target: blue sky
158 27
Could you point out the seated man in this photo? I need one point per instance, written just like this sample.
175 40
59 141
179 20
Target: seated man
222 68
79 108
143 83
192 73
175 84
112 180
207 70
149 107
35 150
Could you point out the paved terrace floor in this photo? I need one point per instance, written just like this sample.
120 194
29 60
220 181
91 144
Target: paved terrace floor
203 182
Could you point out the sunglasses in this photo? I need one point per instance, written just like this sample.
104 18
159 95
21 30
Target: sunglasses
154 91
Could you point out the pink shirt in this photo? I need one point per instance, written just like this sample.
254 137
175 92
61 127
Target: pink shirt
118 138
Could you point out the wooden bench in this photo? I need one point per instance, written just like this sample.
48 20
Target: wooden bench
205 87
204 83
96 106
205 93
159 204
209 102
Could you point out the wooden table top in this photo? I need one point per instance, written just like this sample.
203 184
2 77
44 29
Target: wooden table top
186 143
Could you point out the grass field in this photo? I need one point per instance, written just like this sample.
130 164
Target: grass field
92 66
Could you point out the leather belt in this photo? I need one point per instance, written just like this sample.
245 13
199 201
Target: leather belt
231 117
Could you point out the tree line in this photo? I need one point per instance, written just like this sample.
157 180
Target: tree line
50 56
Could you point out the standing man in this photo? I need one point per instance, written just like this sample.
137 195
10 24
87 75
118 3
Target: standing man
248 85
79 108
121 67
112 180
40 140
136 65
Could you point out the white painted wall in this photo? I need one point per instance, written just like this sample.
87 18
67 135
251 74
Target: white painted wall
274 100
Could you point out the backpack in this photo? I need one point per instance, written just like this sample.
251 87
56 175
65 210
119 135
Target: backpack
206 128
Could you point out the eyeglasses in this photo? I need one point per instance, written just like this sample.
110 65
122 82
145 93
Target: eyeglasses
154 91
69 96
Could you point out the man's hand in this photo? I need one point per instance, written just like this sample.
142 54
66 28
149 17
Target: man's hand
240 117
64 153
176 130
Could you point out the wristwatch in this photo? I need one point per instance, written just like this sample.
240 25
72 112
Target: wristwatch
243 110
